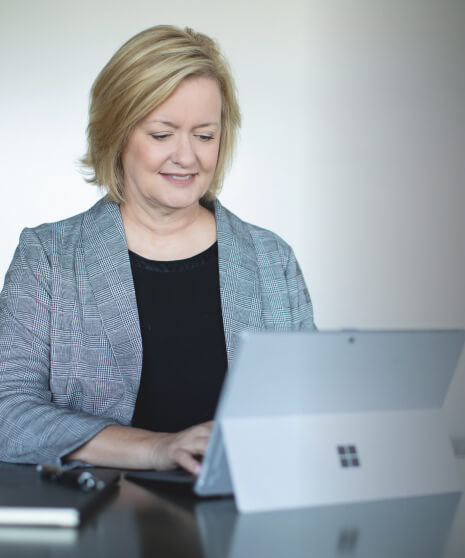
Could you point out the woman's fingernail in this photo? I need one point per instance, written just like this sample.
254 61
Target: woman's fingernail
197 469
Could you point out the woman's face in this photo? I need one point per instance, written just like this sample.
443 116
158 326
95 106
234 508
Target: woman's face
171 154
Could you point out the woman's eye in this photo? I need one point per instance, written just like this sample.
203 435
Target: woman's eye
160 137
204 137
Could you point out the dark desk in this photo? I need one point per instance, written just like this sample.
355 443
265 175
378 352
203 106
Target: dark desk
137 522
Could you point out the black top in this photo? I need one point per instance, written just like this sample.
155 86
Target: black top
184 350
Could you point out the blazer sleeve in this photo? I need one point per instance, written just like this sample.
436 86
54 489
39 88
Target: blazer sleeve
33 429
299 298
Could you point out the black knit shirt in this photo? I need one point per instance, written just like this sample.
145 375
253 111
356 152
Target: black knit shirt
184 351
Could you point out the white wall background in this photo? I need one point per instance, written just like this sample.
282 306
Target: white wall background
352 146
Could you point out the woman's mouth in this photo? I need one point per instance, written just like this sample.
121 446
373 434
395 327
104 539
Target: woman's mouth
179 178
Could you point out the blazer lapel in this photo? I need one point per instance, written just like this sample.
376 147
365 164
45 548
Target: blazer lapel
239 279
110 276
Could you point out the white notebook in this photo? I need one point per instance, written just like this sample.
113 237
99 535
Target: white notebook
27 499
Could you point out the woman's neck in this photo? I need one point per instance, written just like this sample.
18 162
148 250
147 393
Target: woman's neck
168 235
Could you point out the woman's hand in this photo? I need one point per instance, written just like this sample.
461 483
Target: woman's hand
125 447
182 448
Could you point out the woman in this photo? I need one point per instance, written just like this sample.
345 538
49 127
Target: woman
117 325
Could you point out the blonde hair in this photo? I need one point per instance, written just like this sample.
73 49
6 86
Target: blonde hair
142 74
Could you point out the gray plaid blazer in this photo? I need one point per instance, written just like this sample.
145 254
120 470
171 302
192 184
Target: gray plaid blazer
70 342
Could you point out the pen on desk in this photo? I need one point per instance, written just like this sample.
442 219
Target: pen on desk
83 480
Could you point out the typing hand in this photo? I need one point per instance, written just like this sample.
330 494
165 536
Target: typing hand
182 448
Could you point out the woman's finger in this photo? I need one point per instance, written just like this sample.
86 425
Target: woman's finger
187 461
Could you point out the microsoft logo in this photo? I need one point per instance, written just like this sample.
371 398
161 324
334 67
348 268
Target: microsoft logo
347 541
348 456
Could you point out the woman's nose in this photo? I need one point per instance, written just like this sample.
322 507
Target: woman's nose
183 153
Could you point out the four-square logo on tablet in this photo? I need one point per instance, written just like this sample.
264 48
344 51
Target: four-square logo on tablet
348 456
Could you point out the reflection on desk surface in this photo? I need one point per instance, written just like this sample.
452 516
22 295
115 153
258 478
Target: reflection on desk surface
141 523
410 528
